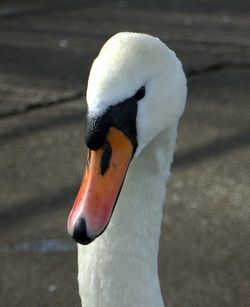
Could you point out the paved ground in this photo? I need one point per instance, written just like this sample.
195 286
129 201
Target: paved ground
45 54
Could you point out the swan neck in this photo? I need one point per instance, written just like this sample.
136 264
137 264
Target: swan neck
122 264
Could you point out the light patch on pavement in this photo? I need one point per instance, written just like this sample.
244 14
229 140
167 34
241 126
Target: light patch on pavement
43 247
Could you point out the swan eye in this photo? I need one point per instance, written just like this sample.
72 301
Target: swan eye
140 93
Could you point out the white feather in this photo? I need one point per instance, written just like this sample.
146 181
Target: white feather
119 269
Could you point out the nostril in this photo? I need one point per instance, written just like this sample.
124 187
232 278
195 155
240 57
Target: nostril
80 234
106 156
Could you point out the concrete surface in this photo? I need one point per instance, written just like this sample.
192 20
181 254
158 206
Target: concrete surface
45 55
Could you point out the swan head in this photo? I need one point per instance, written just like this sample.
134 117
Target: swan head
136 89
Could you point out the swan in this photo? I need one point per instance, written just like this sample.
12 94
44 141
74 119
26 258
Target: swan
136 94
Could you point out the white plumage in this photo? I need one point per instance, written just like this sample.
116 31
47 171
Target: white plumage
119 268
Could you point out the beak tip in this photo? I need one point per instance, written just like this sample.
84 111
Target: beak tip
80 234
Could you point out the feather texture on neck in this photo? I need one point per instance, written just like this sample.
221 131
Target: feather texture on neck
120 268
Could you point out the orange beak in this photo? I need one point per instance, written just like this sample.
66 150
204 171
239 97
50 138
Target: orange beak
104 175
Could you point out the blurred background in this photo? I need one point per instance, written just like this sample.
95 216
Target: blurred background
46 50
